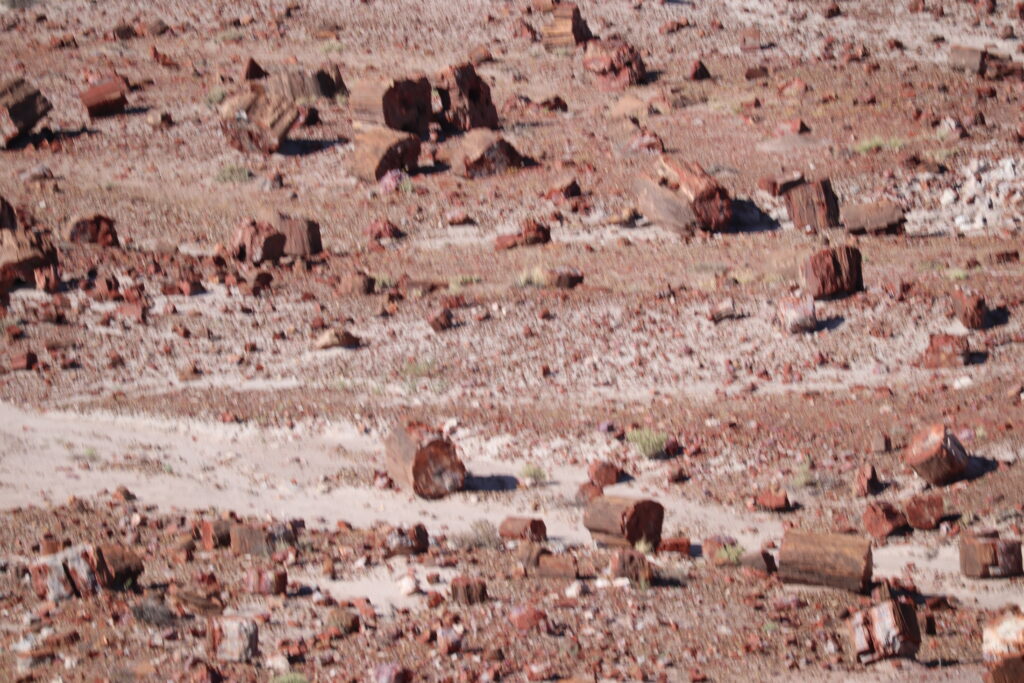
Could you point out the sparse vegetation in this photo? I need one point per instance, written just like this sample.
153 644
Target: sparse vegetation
877 143
649 443
332 46
341 99
644 546
533 473
804 476
231 173
459 281
18 4
382 282
231 36
290 678
216 96
482 535
533 277
731 554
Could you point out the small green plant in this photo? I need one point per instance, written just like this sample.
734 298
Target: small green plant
231 173
231 36
533 277
481 535
804 476
90 454
290 678
382 283
18 4
649 443
457 283
644 546
332 46
730 554
957 274
877 143
406 186
216 96
341 99
534 473
770 626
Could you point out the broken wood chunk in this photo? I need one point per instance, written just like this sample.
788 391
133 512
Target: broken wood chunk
615 521
306 86
967 59
832 273
936 455
615 63
664 206
256 121
566 30
710 202
970 308
885 630
402 104
93 230
630 564
232 639
873 218
468 590
485 153
834 560
107 98
945 351
465 99
523 528
423 461
989 557
380 149
22 106
813 204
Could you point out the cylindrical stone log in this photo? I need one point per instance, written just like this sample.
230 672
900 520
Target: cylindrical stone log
423 461
813 204
215 533
990 557
117 566
380 149
709 200
936 455
21 108
834 560
401 104
615 521
523 528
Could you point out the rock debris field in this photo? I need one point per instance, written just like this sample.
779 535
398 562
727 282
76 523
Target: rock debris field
522 340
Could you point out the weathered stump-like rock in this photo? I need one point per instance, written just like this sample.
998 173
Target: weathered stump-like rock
465 99
615 521
936 455
21 108
833 273
834 560
380 149
423 461
486 153
401 104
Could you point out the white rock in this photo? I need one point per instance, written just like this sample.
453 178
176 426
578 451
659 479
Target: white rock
408 586
576 589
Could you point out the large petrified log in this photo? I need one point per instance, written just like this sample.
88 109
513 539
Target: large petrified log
710 201
306 86
616 521
936 455
664 206
888 629
257 121
833 272
873 218
402 104
813 204
26 256
21 108
465 99
380 149
834 560
423 460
